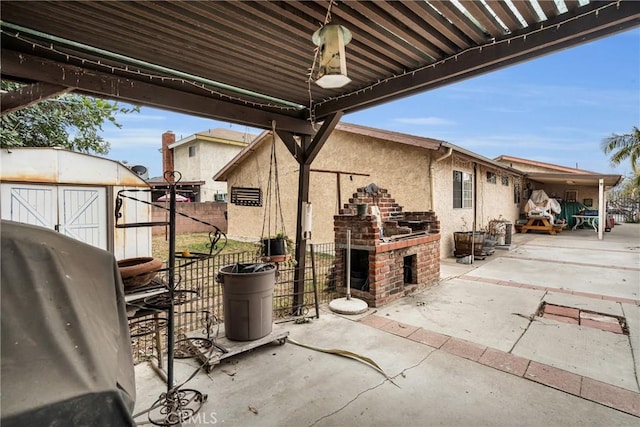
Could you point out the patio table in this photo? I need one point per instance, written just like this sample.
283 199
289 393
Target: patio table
586 219
539 223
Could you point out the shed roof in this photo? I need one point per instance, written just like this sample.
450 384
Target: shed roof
60 166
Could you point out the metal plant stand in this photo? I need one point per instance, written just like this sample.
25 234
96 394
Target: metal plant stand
177 404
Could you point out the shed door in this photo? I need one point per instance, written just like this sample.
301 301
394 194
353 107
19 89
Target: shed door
78 212
30 204
82 214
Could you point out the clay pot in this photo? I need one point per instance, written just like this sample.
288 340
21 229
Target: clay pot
136 272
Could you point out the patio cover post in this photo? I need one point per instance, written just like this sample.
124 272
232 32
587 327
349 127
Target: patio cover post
305 154
602 215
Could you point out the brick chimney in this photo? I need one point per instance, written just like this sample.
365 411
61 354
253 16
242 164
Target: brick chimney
168 138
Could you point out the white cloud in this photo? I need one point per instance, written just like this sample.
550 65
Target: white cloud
140 117
135 137
428 121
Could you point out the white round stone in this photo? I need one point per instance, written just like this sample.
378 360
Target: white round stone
348 306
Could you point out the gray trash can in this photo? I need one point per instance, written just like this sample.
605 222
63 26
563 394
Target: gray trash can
247 298
507 237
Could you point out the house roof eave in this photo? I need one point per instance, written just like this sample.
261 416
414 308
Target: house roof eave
222 174
530 162
483 160
585 179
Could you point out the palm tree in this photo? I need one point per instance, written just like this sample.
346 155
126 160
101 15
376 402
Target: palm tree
625 146
622 147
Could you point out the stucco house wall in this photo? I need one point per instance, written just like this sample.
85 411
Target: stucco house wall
404 170
492 201
387 165
213 150
245 222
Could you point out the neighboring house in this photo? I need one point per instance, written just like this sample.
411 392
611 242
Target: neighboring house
561 182
75 194
421 173
200 156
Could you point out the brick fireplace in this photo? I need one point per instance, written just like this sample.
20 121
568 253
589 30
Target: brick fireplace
405 259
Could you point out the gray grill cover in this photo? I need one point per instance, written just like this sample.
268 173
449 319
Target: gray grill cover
66 350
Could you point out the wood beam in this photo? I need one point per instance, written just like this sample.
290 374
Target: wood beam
25 96
30 67
340 172
291 144
321 137
557 34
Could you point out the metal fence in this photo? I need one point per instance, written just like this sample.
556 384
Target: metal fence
624 208
199 301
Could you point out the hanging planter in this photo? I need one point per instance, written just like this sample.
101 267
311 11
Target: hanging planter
274 246
276 249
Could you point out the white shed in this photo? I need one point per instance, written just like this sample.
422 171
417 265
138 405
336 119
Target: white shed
75 194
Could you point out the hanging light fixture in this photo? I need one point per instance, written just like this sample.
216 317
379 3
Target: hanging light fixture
332 65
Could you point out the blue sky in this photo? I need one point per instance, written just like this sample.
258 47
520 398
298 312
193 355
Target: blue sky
555 109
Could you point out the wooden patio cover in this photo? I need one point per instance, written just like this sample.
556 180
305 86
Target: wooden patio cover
248 62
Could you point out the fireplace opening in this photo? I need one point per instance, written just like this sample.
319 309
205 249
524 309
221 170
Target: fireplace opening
410 276
360 269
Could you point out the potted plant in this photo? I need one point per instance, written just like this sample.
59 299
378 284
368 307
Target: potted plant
464 240
277 245
498 229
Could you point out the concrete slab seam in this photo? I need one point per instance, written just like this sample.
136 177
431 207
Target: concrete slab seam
583 248
581 264
529 374
555 290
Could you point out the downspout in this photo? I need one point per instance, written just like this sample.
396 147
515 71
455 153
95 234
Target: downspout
432 168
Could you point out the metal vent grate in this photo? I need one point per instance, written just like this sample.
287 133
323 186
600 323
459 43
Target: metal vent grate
246 196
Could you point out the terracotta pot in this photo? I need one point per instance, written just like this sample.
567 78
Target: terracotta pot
139 271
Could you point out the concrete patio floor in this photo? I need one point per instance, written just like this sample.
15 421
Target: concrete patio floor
467 351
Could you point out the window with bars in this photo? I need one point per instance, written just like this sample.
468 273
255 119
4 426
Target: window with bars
491 177
505 180
462 190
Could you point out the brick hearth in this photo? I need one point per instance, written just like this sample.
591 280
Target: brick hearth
405 259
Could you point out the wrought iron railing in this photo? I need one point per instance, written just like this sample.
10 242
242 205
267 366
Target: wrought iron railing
199 277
